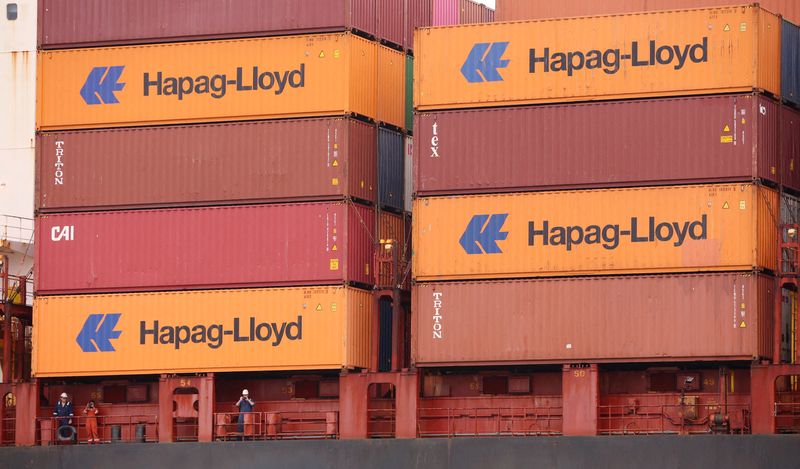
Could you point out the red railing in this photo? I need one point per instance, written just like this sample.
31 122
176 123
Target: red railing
110 429
787 417
7 436
292 425
185 429
673 419
459 422
381 423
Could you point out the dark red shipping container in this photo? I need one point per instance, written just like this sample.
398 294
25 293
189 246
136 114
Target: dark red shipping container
790 148
720 316
231 163
422 13
201 248
84 23
611 144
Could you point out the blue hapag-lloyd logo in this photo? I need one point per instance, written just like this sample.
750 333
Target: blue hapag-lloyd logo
483 61
483 233
97 332
101 84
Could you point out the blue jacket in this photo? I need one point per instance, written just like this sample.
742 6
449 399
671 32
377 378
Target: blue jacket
63 410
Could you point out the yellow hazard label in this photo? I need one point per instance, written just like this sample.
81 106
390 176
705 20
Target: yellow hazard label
362 184
726 139
727 27
744 121
319 307
335 146
335 181
743 27
334 248
742 305
742 325
334 231
726 129
322 54
366 269
335 163
336 53
725 206
333 307
334 264
742 205
772 170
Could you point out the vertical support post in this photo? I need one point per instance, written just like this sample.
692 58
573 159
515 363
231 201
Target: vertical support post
397 312
205 417
19 357
6 307
27 395
353 401
580 399
762 395
407 402
776 326
165 424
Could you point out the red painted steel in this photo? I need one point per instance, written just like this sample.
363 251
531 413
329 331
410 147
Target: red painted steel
612 144
725 316
83 23
580 396
231 163
199 248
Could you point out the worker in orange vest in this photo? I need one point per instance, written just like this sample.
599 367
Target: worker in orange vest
91 422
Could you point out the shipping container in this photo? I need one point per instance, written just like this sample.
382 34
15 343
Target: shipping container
245 79
206 164
720 316
394 229
520 10
790 63
86 23
655 142
408 169
723 50
422 13
594 232
409 93
198 248
231 330
391 153
790 148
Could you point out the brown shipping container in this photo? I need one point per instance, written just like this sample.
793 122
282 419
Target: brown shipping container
232 163
321 243
396 228
603 144
641 230
219 81
84 23
673 53
243 330
520 10
721 316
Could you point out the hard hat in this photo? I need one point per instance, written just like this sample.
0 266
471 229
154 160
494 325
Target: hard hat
63 394
244 392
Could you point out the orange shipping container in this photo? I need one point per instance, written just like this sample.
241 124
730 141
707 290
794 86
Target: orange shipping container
734 49
614 231
265 78
215 330
520 10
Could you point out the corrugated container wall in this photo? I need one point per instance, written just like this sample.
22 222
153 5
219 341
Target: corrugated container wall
422 13
610 57
391 155
790 63
409 93
408 169
519 10
603 144
246 79
84 23
231 330
17 120
395 227
595 232
217 247
790 147
722 316
210 164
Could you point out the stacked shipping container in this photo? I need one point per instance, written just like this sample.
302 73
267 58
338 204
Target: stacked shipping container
667 165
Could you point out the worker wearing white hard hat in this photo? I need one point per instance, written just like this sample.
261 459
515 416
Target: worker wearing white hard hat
245 405
63 409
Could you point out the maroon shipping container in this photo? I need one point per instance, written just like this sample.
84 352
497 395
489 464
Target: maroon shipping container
790 148
423 13
232 163
84 23
721 316
200 248
609 144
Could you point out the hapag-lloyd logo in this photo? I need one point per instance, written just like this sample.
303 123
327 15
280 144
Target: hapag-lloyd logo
484 233
103 83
